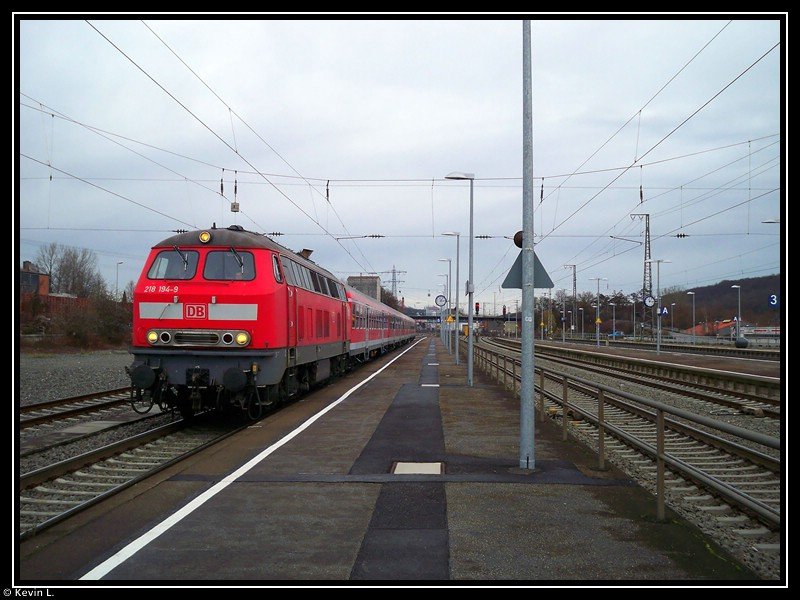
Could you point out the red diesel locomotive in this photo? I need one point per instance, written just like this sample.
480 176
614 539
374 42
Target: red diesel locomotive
229 318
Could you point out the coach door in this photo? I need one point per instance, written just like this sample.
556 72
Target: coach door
291 302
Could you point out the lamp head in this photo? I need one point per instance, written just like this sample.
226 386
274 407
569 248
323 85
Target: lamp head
459 175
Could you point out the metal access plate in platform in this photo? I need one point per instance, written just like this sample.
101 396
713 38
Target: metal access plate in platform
418 468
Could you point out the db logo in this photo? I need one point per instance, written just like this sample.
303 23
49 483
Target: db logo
195 311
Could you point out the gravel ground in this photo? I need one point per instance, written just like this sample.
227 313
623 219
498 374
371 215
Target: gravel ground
767 565
45 377
764 425
65 451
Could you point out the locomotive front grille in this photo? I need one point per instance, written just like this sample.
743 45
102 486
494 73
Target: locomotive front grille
196 338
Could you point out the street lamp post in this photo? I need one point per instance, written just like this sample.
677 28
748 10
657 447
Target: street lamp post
658 262
693 322
738 288
449 296
580 308
597 313
613 319
443 326
458 244
563 315
116 284
541 321
634 318
672 317
470 283
571 324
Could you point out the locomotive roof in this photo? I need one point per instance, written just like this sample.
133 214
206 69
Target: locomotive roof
238 237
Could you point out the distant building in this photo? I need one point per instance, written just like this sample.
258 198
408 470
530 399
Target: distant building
31 282
366 284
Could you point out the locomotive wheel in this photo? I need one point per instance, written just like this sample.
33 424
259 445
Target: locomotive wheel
141 404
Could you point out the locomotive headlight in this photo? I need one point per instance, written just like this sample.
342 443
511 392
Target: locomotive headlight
242 338
205 237
152 337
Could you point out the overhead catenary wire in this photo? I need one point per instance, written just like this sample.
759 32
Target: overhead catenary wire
107 136
158 212
603 260
418 181
220 138
653 97
670 133
231 111
726 185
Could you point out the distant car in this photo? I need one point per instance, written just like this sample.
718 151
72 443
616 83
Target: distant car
616 335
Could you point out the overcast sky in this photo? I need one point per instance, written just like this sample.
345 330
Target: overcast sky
384 110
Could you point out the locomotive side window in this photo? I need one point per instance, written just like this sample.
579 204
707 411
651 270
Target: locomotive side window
288 272
334 290
314 281
276 269
305 277
171 264
229 266
323 284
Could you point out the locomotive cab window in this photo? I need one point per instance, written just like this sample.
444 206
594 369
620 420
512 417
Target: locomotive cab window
229 265
174 264
276 269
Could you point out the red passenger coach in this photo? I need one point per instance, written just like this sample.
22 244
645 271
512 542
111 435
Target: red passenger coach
375 327
229 318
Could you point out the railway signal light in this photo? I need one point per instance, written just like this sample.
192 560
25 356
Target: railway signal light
477 308
504 310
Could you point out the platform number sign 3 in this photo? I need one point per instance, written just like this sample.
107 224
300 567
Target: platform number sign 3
774 301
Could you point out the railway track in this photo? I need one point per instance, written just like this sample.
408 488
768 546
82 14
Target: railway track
709 350
54 493
724 478
699 389
45 412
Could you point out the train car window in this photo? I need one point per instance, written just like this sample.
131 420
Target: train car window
171 264
306 277
314 281
276 269
298 275
301 275
288 272
323 285
224 265
333 289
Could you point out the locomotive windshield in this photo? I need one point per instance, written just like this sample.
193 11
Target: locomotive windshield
174 264
229 266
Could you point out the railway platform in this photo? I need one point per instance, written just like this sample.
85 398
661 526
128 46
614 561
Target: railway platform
412 476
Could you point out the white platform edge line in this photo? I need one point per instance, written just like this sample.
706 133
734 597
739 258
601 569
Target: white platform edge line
108 565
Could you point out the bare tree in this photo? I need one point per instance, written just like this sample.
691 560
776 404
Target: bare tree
47 259
72 270
128 291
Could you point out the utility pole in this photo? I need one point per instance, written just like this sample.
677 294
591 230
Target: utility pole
647 279
527 459
597 312
574 288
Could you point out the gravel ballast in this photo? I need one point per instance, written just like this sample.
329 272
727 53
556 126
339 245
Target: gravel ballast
45 376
